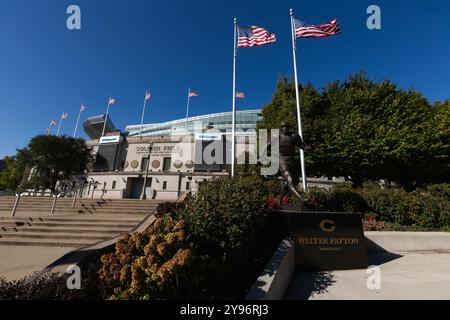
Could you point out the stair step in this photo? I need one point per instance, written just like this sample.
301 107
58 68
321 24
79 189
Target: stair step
74 219
55 236
82 224
68 230
44 242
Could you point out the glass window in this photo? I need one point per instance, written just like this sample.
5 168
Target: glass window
164 185
167 164
113 186
144 164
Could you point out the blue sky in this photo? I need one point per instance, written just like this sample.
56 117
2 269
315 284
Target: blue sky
125 47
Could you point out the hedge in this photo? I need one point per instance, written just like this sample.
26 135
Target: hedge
193 248
425 208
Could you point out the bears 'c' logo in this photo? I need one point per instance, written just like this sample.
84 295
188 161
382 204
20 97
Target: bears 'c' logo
327 226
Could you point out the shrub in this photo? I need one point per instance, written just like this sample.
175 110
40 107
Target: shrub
150 265
192 249
425 209
225 214
420 208
51 286
339 199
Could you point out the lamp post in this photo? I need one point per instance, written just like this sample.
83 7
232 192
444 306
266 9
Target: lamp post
190 183
144 187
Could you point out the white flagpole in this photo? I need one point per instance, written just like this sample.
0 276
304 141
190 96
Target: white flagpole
78 121
233 133
59 125
143 113
187 110
49 129
106 117
299 118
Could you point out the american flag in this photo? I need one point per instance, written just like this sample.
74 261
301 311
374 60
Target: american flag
53 123
111 101
64 115
304 30
147 95
82 108
240 95
250 36
192 94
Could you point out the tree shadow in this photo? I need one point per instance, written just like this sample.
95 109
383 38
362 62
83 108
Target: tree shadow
306 284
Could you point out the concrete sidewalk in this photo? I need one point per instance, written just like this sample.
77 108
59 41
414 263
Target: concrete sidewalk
19 261
404 276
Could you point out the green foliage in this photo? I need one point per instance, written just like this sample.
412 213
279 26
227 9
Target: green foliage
11 176
424 208
420 208
192 248
363 130
224 214
341 199
52 158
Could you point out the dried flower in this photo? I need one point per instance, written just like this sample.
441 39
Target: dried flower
179 226
125 273
171 238
162 248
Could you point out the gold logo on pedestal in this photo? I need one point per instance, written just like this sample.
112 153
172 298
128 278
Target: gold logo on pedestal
327 226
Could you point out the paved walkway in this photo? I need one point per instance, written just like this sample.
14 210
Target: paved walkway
17 261
404 276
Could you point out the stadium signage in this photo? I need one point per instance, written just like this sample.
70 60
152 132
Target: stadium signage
208 136
113 139
160 150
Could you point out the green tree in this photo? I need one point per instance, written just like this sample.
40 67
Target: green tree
11 175
54 159
283 108
364 130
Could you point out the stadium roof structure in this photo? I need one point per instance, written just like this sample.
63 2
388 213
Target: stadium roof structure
245 120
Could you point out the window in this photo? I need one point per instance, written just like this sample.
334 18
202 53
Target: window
144 163
167 163
113 186
188 185
164 185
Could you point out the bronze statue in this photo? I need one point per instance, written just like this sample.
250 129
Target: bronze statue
289 167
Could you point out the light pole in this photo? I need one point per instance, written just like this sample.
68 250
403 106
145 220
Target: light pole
190 183
144 187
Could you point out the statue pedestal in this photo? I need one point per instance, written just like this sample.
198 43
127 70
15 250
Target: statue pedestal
326 241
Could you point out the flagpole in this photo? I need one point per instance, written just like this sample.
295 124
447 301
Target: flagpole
59 125
233 133
142 118
187 110
299 118
78 121
106 117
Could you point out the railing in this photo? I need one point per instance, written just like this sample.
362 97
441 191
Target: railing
75 191
16 204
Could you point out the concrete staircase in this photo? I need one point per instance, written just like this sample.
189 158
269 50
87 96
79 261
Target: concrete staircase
42 206
89 222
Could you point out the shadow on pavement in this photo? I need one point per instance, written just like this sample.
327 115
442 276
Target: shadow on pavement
306 284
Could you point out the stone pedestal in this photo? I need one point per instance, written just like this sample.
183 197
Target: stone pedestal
327 241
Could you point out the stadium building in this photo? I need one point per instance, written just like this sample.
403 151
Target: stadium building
167 158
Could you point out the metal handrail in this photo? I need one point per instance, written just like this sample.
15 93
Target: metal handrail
16 204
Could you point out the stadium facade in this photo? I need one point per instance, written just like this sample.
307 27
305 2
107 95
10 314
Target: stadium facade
168 159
